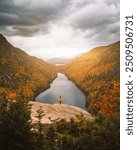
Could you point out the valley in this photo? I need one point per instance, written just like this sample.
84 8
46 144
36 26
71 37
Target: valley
89 85
96 73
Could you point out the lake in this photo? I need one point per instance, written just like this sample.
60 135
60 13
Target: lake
62 86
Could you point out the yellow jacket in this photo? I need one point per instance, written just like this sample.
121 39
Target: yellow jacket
60 98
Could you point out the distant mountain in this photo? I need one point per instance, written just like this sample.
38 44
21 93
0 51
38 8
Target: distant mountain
97 73
59 60
21 73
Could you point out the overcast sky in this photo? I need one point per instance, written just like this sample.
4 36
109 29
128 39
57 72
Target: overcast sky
59 28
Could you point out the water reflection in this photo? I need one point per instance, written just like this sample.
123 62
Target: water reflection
61 86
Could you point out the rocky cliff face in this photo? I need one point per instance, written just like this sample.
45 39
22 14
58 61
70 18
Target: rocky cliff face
57 112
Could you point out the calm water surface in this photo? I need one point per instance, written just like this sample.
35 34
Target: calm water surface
61 86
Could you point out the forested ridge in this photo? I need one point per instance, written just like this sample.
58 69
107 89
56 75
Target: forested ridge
21 73
97 73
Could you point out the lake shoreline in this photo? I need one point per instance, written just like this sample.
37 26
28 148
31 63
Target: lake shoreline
43 89
85 93
63 86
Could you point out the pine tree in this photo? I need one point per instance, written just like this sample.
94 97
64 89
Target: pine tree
15 122
3 120
19 113
40 135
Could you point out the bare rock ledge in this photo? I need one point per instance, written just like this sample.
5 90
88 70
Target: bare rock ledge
56 112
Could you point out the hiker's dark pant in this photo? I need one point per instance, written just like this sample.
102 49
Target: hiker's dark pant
60 102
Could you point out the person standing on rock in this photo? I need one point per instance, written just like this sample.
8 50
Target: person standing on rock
60 99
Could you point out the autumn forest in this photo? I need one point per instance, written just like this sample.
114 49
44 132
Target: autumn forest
22 77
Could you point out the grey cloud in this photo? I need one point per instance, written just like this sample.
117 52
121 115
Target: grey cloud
95 14
25 30
27 18
13 13
38 13
104 34
13 19
10 7
100 18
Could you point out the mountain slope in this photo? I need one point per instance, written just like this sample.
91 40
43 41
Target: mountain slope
97 73
59 60
21 73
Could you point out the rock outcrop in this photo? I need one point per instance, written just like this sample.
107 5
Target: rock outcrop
57 112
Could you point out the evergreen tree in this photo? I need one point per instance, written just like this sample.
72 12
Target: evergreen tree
15 122
19 114
3 120
51 138
39 134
